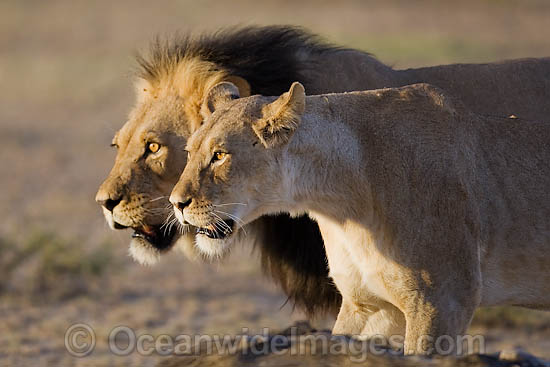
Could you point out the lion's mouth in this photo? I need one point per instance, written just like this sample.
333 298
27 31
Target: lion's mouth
160 238
218 230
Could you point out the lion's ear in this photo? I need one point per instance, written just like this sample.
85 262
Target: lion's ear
241 84
218 95
281 117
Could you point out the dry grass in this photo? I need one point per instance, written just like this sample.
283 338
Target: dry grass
46 268
65 77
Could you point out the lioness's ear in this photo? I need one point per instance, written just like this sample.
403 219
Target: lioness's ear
281 117
218 95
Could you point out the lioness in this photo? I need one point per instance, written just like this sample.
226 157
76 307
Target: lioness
171 88
427 210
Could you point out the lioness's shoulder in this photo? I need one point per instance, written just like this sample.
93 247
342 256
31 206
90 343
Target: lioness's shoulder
414 98
424 95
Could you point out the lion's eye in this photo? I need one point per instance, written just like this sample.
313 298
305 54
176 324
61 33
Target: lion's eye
218 156
153 147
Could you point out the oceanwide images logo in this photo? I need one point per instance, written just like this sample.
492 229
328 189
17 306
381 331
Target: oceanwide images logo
80 341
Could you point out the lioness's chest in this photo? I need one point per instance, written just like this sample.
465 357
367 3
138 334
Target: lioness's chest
356 263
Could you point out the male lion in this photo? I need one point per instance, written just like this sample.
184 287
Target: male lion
427 210
170 91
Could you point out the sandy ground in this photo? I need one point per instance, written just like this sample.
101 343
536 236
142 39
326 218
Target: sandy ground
65 76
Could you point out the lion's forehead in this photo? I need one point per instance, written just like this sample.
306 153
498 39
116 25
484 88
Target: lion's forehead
148 121
153 118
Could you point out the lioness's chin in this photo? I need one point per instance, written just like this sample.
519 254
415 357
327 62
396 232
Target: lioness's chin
213 247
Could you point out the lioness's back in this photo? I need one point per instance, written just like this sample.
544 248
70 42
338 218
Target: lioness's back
426 155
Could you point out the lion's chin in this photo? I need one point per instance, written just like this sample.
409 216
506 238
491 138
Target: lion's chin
212 247
143 251
149 242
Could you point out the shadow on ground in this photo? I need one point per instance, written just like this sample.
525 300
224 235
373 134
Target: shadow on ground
302 345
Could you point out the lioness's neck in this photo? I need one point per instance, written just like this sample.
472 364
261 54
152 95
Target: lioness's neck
322 164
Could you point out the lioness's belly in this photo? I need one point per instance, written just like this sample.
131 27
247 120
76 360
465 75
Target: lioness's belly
513 272
517 274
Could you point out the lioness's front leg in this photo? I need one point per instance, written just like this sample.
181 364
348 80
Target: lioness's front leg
351 318
437 306
436 280
371 322
432 328
388 321
361 313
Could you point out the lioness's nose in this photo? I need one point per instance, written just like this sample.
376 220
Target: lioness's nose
108 203
180 203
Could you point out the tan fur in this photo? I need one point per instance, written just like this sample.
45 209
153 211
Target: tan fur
427 210
170 107
513 87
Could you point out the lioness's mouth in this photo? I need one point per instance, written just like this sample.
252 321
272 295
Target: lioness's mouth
218 230
158 237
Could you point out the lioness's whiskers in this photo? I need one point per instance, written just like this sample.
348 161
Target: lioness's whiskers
216 228
159 198
234 217
240 223
167 227
229 204
169 223
155 210
237 220
219 230
222 222
182 228
168 218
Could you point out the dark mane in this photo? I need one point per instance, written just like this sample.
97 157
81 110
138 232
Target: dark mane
293 254
270 59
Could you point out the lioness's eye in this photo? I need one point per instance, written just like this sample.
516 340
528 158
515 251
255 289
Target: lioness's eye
218 156
153 147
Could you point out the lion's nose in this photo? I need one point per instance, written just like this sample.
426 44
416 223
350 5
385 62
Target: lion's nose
109 203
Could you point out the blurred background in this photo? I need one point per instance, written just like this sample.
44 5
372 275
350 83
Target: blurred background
66 87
